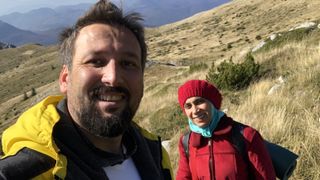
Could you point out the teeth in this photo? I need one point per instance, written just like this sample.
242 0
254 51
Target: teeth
110 98
200 117
105 94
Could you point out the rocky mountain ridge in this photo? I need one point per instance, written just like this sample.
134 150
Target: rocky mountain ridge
6 45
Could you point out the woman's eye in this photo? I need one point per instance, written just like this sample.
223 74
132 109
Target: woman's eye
199 101
187 106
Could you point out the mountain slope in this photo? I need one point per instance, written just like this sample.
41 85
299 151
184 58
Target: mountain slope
9 32
155 13
158 13
26 67
45 18
224 31
13 35
41 25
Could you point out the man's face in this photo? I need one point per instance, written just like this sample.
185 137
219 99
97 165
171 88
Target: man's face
105 85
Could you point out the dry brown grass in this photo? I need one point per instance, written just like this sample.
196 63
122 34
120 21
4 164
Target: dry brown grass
11 109
27 67
290 116
207 35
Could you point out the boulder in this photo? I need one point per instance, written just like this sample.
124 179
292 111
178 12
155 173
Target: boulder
304 25
260 45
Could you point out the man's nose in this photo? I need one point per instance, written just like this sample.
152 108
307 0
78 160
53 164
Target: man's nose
111 73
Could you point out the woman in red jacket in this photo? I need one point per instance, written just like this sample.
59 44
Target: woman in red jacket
212 153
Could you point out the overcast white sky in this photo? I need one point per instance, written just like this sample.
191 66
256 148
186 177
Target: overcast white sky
9 6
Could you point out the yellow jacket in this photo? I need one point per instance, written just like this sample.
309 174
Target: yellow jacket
34 130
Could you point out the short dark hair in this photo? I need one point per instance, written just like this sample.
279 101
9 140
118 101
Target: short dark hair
104 12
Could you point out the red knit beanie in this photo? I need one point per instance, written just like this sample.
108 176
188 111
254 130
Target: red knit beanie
199 88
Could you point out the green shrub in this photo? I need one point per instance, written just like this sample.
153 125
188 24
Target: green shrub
197 67
258 37
167 121
315 80
229 46
231 76
33 92
25 96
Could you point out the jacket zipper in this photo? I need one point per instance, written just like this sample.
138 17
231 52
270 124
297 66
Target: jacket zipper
211 160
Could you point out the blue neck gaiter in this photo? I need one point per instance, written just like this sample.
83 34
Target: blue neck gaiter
208 130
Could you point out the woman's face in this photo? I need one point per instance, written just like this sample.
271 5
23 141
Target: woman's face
198 109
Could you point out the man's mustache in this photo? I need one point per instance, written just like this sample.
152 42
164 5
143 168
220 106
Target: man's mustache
107 89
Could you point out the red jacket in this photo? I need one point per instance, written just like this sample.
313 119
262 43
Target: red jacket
228 163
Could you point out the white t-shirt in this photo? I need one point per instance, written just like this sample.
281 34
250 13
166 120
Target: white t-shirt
125 170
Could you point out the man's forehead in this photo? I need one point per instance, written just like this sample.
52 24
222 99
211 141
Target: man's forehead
105 30
104 38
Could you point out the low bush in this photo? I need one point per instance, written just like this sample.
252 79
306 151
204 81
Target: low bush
231 76
33 92
25 96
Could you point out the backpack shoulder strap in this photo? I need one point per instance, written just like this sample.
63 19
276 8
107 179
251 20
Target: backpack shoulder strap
185 143
239 143
238 139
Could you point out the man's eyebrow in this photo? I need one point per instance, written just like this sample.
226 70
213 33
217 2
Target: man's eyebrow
94 53
101 53
131 54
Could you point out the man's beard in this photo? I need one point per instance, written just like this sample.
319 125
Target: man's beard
95 123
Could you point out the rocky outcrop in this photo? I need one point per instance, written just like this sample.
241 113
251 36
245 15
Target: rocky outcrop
6 45
305 25
279 84
150 63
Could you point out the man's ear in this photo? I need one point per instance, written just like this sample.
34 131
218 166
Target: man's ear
64 79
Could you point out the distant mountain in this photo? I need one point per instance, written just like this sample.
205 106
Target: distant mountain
13 35
43 25
155 12
44 19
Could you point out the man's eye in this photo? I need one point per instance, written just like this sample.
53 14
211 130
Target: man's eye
96 62
129 64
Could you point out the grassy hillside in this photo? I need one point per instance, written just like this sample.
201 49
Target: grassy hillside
229 30
289 116
27 67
